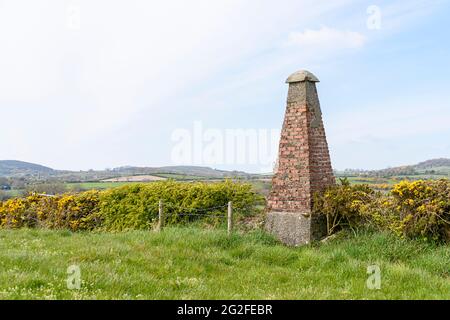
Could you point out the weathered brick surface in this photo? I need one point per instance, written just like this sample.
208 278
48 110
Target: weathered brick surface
304 165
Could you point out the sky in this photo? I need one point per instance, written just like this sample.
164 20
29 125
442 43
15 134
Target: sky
95 84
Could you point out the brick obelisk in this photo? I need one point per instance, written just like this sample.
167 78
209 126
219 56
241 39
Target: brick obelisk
304 166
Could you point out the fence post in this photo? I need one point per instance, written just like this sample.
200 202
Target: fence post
161 216
230 217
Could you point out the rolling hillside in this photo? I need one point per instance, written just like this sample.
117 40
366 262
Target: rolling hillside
11 168
432 167
16 169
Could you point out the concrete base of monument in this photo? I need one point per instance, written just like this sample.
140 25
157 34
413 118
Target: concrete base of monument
295 228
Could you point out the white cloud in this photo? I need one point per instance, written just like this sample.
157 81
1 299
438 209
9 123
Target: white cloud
326 38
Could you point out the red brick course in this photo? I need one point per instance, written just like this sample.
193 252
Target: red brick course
304 165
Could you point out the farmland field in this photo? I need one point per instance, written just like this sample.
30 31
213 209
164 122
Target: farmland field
95 185
12 193
137 178
182 177
193 263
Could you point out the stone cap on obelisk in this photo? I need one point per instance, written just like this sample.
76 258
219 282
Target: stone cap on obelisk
302 75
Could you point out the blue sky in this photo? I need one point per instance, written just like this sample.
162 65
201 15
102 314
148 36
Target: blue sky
97 84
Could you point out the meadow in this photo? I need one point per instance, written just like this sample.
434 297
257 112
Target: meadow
95 185
196 263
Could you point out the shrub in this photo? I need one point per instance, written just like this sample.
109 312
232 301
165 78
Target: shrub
129 207
136 206
69 211
423 208
341 204
18 213
419 209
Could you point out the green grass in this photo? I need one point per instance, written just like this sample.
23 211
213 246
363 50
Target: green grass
96 185
12 193
181 177
193 263
392 180
110 185
370 180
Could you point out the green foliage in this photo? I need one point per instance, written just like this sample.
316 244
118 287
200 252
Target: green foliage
47 188
423 208
3 195
73 212
129 207
419 209
136 206
341 204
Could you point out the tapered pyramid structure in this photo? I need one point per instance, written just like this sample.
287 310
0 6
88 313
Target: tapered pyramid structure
304 166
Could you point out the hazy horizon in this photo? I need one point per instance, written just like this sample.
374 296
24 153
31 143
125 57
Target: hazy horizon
151 166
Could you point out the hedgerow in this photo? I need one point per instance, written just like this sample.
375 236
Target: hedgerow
419 209
70 211
129 207
136 206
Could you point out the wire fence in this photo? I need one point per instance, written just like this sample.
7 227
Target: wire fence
195 212
169 212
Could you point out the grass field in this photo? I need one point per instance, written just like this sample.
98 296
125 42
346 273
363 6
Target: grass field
96 185
12 193
191 263
182 177
109 185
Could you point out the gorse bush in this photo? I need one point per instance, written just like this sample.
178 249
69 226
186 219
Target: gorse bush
342 205
129 207
16 213
70 211
423 208
74 212
136 206
419 209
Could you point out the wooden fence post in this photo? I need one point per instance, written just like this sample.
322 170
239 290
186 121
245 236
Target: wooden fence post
230 217
161 216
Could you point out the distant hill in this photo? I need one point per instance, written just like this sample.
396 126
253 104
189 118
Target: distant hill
435 163
183 170
19 168
440 167
15 169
